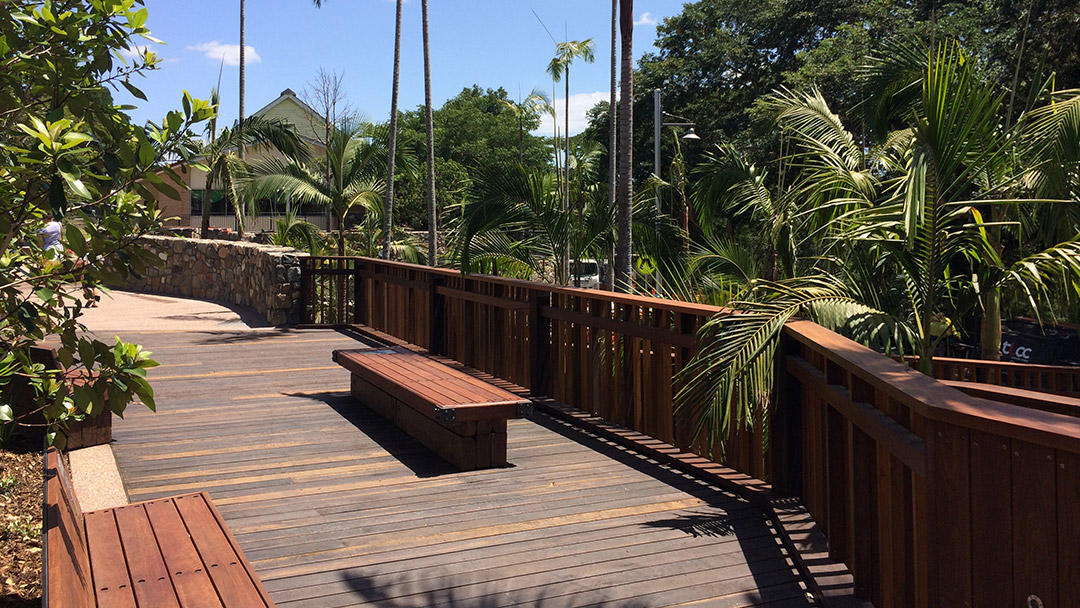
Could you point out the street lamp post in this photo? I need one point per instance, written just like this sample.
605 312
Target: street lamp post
659 124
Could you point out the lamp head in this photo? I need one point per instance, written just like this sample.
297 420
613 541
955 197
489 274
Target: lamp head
690 135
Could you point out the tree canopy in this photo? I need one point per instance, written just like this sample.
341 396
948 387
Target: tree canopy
67 151
474 131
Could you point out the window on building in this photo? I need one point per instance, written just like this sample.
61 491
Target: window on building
218 204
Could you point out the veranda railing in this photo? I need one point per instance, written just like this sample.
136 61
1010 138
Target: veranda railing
932 497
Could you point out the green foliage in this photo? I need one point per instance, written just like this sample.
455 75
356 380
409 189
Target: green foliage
223 166
8 483
19 527
907 232
476 131
67 150
351 178
718 58
291 231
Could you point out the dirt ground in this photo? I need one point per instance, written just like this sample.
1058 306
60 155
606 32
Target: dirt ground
20 527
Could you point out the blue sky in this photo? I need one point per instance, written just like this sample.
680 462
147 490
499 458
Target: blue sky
491 43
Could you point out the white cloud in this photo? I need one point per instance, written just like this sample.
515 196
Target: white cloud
646 19
133 53
229 52
580 104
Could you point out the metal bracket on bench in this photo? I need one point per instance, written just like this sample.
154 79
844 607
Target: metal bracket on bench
445 415
525 409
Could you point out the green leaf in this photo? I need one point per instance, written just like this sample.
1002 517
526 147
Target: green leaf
174 121
133 90
138 18
76 241
146 154
57 198
6 414
45 294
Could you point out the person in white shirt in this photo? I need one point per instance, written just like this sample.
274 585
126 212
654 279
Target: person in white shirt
50 237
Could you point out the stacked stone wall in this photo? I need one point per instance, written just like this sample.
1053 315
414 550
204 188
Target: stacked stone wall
264 278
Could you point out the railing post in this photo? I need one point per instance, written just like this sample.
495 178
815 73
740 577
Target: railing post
305 273
785 435
436 315
539 342
359 293
948 508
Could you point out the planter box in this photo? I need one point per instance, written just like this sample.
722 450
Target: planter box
90 431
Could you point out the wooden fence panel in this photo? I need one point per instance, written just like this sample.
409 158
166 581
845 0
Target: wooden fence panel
930 496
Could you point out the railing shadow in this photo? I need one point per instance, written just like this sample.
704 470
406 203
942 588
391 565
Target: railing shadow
225 336
403 593
762 557
697 524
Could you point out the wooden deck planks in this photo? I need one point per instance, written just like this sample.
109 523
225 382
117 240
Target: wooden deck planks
335 507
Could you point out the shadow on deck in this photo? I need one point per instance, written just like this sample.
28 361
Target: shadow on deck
335 507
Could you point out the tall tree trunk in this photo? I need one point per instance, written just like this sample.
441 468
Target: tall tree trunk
205 226
990 328
240 122
623 249
388 210
566 171
566 142
612 132
341 234
432 211
555 137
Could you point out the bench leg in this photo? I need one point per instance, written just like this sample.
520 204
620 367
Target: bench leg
455 443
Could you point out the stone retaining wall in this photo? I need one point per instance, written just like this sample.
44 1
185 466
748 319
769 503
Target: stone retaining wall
261 277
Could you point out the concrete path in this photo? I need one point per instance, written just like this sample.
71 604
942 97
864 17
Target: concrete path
127 311
93 470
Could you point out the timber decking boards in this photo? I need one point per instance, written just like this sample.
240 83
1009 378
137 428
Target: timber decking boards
335 507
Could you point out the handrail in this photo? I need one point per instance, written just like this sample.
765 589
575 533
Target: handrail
620 298
908 477
1047 402
1055 379
935 400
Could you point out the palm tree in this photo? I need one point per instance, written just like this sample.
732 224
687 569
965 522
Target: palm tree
612 123
430 124
558 68
625 194
906 243
527 109
355 157
729 186
239 201
388 209
221 162
514 220
240 120
291 231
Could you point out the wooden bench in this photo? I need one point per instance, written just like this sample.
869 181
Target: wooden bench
173 552
460 418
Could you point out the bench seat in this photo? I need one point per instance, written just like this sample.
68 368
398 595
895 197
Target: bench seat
460 418
173 552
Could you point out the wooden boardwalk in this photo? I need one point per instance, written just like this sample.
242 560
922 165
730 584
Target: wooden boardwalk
334 507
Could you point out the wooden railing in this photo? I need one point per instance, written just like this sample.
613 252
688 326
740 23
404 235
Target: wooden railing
930 496
611 355
1056 379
